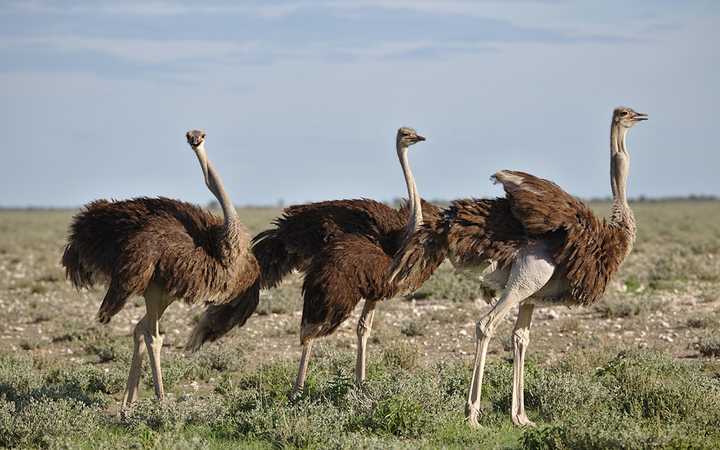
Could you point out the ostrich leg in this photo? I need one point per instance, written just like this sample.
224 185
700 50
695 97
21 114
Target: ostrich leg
530 271
484 329
364 327
521 340
155 303
133 382
302 370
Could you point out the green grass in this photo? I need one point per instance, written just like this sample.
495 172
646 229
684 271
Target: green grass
634 399
62 375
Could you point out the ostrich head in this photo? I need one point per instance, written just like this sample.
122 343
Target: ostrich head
407 137
196 139
627 117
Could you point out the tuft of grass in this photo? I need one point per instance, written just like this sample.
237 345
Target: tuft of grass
212 360
109 351
31 344
703 322
402 355
633 285
709 345
612 307
414 328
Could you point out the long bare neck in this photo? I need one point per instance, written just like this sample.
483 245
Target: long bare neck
622 215
215 185
416 218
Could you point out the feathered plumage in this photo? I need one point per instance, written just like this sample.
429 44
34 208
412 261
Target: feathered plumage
587 250
345 248
538 243
332 242
178 246
164 250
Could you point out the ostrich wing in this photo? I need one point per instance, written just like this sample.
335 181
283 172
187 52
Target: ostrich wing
484 230
351 267
588 251
307 228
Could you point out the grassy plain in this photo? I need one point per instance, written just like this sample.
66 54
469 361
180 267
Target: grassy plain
637 370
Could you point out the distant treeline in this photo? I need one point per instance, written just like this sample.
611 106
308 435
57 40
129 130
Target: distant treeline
397 201
640 199
645 199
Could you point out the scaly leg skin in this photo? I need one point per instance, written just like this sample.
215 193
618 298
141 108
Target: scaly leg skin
155 302
521 340
364 327
483 332
133 382
531 270
302 371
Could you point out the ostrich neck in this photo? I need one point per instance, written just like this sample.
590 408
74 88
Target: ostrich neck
215 185
415 219
622 215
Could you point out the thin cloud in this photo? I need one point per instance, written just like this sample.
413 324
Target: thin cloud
145 51
152 8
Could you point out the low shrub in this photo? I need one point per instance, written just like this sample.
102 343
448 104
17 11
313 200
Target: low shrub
402 355
38 423
170 415
709 345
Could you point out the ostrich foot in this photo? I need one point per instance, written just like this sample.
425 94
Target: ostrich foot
296 394
471 414
521 420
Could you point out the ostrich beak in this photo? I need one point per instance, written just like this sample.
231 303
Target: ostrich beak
419 138
640 116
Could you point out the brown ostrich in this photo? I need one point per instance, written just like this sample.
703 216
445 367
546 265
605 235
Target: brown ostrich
345 248
539 244
164 250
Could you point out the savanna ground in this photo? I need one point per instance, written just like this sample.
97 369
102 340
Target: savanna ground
637 370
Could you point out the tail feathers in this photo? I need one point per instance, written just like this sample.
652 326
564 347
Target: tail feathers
275 264
419 257
115 298
217 320
273 256
75 271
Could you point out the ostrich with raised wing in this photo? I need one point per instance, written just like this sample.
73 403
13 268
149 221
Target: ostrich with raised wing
538 244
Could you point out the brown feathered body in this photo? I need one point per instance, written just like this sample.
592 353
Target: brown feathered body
344 248
478 233
186 251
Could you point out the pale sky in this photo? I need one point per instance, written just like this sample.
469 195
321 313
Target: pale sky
301 100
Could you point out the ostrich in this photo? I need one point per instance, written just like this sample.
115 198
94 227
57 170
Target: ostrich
164 250
345 248
539 244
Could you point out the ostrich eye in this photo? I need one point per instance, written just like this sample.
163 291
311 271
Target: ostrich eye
202 135
624 113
